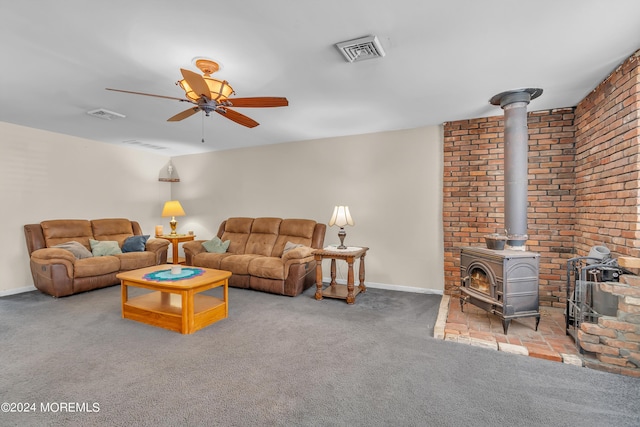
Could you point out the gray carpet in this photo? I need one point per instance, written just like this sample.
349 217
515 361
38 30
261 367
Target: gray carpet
280 361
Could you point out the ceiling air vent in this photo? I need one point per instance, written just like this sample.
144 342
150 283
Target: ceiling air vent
360 49
101 113
143 144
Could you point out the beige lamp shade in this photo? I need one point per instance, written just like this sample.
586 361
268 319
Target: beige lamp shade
341 217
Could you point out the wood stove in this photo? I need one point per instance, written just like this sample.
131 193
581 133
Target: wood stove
502 282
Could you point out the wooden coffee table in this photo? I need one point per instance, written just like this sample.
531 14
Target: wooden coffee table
176 305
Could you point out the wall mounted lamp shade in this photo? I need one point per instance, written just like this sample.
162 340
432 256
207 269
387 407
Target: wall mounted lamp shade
172 209
169 173
341 217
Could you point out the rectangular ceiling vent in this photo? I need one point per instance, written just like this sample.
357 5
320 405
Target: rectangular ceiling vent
101 113
143 144
360 49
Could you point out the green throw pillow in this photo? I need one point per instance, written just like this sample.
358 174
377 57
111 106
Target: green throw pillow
104 247
216 245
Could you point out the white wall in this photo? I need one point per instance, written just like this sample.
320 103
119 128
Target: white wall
391 181
44 175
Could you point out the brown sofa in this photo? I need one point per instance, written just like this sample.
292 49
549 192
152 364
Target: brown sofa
256 254
59 272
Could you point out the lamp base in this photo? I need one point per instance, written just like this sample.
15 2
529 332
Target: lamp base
173 223
341 235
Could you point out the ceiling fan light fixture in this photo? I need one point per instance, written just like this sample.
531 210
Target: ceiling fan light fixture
220 89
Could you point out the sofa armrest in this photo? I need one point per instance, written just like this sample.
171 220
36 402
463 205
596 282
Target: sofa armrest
157 245
160 247
55 256
192 249
299 253
51 254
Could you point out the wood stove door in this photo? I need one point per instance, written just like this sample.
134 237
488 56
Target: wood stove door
480 278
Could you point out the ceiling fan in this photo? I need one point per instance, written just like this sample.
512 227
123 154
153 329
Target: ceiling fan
212 95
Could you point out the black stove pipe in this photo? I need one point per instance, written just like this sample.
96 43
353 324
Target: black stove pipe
516 138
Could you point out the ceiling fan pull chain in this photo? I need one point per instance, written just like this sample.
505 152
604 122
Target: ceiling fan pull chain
203 127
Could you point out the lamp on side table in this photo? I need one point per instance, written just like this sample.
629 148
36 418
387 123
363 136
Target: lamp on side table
173 208
341 217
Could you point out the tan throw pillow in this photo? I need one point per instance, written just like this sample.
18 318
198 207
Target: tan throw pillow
76 248
289 246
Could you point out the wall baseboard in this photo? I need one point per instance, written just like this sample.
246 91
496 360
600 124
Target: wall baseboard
390 287
326 279
17 291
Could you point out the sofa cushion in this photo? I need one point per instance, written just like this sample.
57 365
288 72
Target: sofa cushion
216 245
209 259
135 243
297 231
96 266
117 229
237 264
237 230
105 247
264 233
135 260
267 267
64 230
77 249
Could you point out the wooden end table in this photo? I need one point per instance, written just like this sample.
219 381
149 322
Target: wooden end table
175 305
335 290
175 239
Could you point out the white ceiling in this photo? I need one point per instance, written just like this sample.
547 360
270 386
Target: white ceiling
444 60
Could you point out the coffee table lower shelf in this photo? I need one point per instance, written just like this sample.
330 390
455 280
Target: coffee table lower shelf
164 310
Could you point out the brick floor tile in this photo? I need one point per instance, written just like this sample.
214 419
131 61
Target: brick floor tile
544 353
548 342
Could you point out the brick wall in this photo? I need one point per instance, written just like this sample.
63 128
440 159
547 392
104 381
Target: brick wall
473 193
584 172
607 164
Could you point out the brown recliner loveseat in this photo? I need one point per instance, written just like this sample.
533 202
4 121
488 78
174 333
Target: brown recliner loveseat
60 272
266 254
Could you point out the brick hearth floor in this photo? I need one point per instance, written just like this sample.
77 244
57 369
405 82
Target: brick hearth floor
477 327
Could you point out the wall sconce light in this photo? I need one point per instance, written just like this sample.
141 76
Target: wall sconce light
169 173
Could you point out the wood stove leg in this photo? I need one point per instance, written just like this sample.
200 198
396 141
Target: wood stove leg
505 325
537 321
462 301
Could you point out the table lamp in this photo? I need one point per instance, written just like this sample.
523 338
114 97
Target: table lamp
173 208
341 217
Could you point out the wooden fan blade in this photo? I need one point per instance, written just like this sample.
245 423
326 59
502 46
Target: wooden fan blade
186 113
149 94
238 118
196 82
257 102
